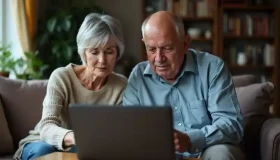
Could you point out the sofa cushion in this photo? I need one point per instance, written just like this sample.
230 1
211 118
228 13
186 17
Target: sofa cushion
254 101
245 80
22 102
6 141
6 157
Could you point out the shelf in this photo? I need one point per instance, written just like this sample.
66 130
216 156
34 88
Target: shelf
269 38
197 19
202 40
249 8
231 66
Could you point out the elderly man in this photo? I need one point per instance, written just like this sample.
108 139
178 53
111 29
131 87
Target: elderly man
197 85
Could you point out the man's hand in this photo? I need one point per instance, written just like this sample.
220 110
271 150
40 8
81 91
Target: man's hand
182 141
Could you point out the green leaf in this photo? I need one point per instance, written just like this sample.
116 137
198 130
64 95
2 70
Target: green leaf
44 39
58 29
51 24
66 24
68 53
55 49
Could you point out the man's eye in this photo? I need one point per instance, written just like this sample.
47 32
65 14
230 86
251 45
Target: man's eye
168 48
151 49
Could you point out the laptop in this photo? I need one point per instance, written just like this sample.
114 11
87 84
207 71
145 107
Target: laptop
122 133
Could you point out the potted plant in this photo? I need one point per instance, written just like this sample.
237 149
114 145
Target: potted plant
57 35
7 62
30 67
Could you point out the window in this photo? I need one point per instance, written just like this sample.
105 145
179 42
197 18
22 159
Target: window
8 31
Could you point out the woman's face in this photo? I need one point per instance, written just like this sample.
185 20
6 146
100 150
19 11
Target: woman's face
101 60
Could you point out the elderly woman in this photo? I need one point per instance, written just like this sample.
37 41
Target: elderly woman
100 43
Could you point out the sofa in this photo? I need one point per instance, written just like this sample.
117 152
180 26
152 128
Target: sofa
21 107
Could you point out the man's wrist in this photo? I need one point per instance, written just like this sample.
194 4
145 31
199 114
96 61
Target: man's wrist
197 141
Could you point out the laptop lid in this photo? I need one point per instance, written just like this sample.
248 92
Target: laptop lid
122 133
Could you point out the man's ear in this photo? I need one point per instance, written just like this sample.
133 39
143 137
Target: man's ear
187 42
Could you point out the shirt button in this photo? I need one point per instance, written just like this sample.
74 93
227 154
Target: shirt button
179 124
197 150
175 108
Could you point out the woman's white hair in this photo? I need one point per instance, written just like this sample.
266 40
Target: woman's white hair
96 30
177 21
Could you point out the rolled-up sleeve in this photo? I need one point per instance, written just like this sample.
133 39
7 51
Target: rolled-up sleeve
224 111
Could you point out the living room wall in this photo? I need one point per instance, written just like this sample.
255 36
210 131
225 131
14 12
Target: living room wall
130 14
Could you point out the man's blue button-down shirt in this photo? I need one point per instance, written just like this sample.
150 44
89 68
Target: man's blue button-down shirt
203 99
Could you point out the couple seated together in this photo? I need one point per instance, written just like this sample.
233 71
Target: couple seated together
197 85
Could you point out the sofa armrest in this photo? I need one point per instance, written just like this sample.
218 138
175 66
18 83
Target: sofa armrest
270 139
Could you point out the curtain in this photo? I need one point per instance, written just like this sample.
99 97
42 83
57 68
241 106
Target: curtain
24 12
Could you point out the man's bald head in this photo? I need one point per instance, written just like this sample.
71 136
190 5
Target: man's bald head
165 21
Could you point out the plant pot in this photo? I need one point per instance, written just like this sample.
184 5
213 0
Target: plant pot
4 74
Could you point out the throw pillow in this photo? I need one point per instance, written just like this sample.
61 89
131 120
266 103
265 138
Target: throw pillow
6 141
22 102
245 80
255 99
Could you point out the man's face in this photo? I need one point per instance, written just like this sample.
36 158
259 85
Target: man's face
165 52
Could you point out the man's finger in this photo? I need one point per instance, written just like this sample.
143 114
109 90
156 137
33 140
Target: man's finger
176 141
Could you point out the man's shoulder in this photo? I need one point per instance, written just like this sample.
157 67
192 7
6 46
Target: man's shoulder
140 67
205 60
205 57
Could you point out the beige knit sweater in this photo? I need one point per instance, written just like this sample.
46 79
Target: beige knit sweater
65 88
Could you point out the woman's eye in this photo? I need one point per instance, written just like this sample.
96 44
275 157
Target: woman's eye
109 52
168 48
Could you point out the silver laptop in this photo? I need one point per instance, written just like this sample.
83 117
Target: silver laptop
122 133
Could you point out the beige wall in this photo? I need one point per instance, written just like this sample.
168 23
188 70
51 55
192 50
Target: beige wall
130 14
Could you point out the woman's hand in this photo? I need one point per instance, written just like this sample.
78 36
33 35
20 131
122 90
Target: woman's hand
69 140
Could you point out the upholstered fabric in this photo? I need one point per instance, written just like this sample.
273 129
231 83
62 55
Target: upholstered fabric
254 103
6 141
7 157
255 99
245 80
270 139
22 102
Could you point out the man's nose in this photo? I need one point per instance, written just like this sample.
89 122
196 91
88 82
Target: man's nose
159 56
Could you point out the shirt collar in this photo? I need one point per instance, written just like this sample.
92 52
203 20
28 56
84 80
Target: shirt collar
189 65
148 70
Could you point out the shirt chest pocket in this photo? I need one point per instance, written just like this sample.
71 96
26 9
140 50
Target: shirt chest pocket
197 115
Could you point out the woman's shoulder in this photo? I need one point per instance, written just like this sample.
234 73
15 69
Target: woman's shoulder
118 79
61 73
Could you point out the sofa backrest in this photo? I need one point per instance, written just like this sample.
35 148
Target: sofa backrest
245 80
254 99
22 103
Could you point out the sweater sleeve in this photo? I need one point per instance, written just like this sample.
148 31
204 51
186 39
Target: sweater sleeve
50 124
